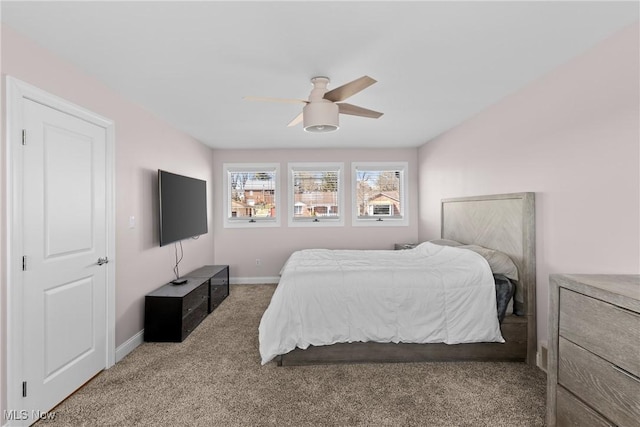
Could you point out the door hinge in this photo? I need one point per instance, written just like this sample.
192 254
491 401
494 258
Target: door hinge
24 389
24 137
24 263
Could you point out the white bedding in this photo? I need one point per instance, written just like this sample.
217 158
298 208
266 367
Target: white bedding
428 294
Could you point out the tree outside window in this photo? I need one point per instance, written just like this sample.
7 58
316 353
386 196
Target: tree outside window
380 193
251 194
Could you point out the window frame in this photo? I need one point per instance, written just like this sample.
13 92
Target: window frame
254 222
381 220
316 167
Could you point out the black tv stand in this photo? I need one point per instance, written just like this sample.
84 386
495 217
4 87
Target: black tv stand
218 276
172 312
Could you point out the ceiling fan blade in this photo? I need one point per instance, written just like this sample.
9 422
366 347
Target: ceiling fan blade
295 121
345 91
354 110
285 100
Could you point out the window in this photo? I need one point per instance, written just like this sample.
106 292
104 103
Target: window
252 195
379 194
315 194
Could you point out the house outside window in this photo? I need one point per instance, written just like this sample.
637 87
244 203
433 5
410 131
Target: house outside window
316 195
252 194
379 193
381 209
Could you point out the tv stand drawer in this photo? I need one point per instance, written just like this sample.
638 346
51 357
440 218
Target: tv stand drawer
194 299
193 319
219 282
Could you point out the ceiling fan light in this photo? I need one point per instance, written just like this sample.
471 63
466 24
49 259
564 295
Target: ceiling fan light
321 128
320 117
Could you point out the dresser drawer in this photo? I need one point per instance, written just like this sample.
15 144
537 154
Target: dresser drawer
611 332
221 277
601 385
193 319
194 299
219 289
219 293
572 412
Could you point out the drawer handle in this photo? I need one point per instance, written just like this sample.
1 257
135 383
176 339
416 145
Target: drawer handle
627 373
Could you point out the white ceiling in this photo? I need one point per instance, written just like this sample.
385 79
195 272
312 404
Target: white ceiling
437 63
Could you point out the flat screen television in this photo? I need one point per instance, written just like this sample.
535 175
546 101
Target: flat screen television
183 207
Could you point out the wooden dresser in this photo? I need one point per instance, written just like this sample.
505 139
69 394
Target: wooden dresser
594 350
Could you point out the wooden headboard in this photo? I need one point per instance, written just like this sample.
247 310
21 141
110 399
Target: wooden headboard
504 222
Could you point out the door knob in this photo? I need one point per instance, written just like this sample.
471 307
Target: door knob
103 260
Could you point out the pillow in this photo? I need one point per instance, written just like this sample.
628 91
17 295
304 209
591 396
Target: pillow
504 295
499 262
400 246
445 242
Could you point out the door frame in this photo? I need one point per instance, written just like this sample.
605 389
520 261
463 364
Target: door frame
16 92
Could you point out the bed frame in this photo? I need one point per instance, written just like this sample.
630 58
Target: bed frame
504 222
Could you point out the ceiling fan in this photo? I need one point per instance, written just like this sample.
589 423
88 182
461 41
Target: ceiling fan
320 113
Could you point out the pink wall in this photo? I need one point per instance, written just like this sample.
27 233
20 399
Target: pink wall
143 144
240 247
573 138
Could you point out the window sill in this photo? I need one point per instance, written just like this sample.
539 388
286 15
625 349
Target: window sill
404 222
319 223
248 224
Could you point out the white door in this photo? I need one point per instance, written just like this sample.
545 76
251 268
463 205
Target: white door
64 235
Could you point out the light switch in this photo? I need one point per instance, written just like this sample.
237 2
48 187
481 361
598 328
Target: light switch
132 222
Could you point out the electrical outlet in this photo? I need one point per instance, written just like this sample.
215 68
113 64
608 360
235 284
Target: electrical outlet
258 262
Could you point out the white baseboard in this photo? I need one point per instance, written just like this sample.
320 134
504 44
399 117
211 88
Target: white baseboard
133 342
129 345
254 280
541 356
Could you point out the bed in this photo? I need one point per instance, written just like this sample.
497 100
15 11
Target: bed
503 223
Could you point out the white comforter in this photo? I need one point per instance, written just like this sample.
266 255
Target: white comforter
428 294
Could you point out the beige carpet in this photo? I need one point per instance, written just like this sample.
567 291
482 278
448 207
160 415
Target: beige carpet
214 378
